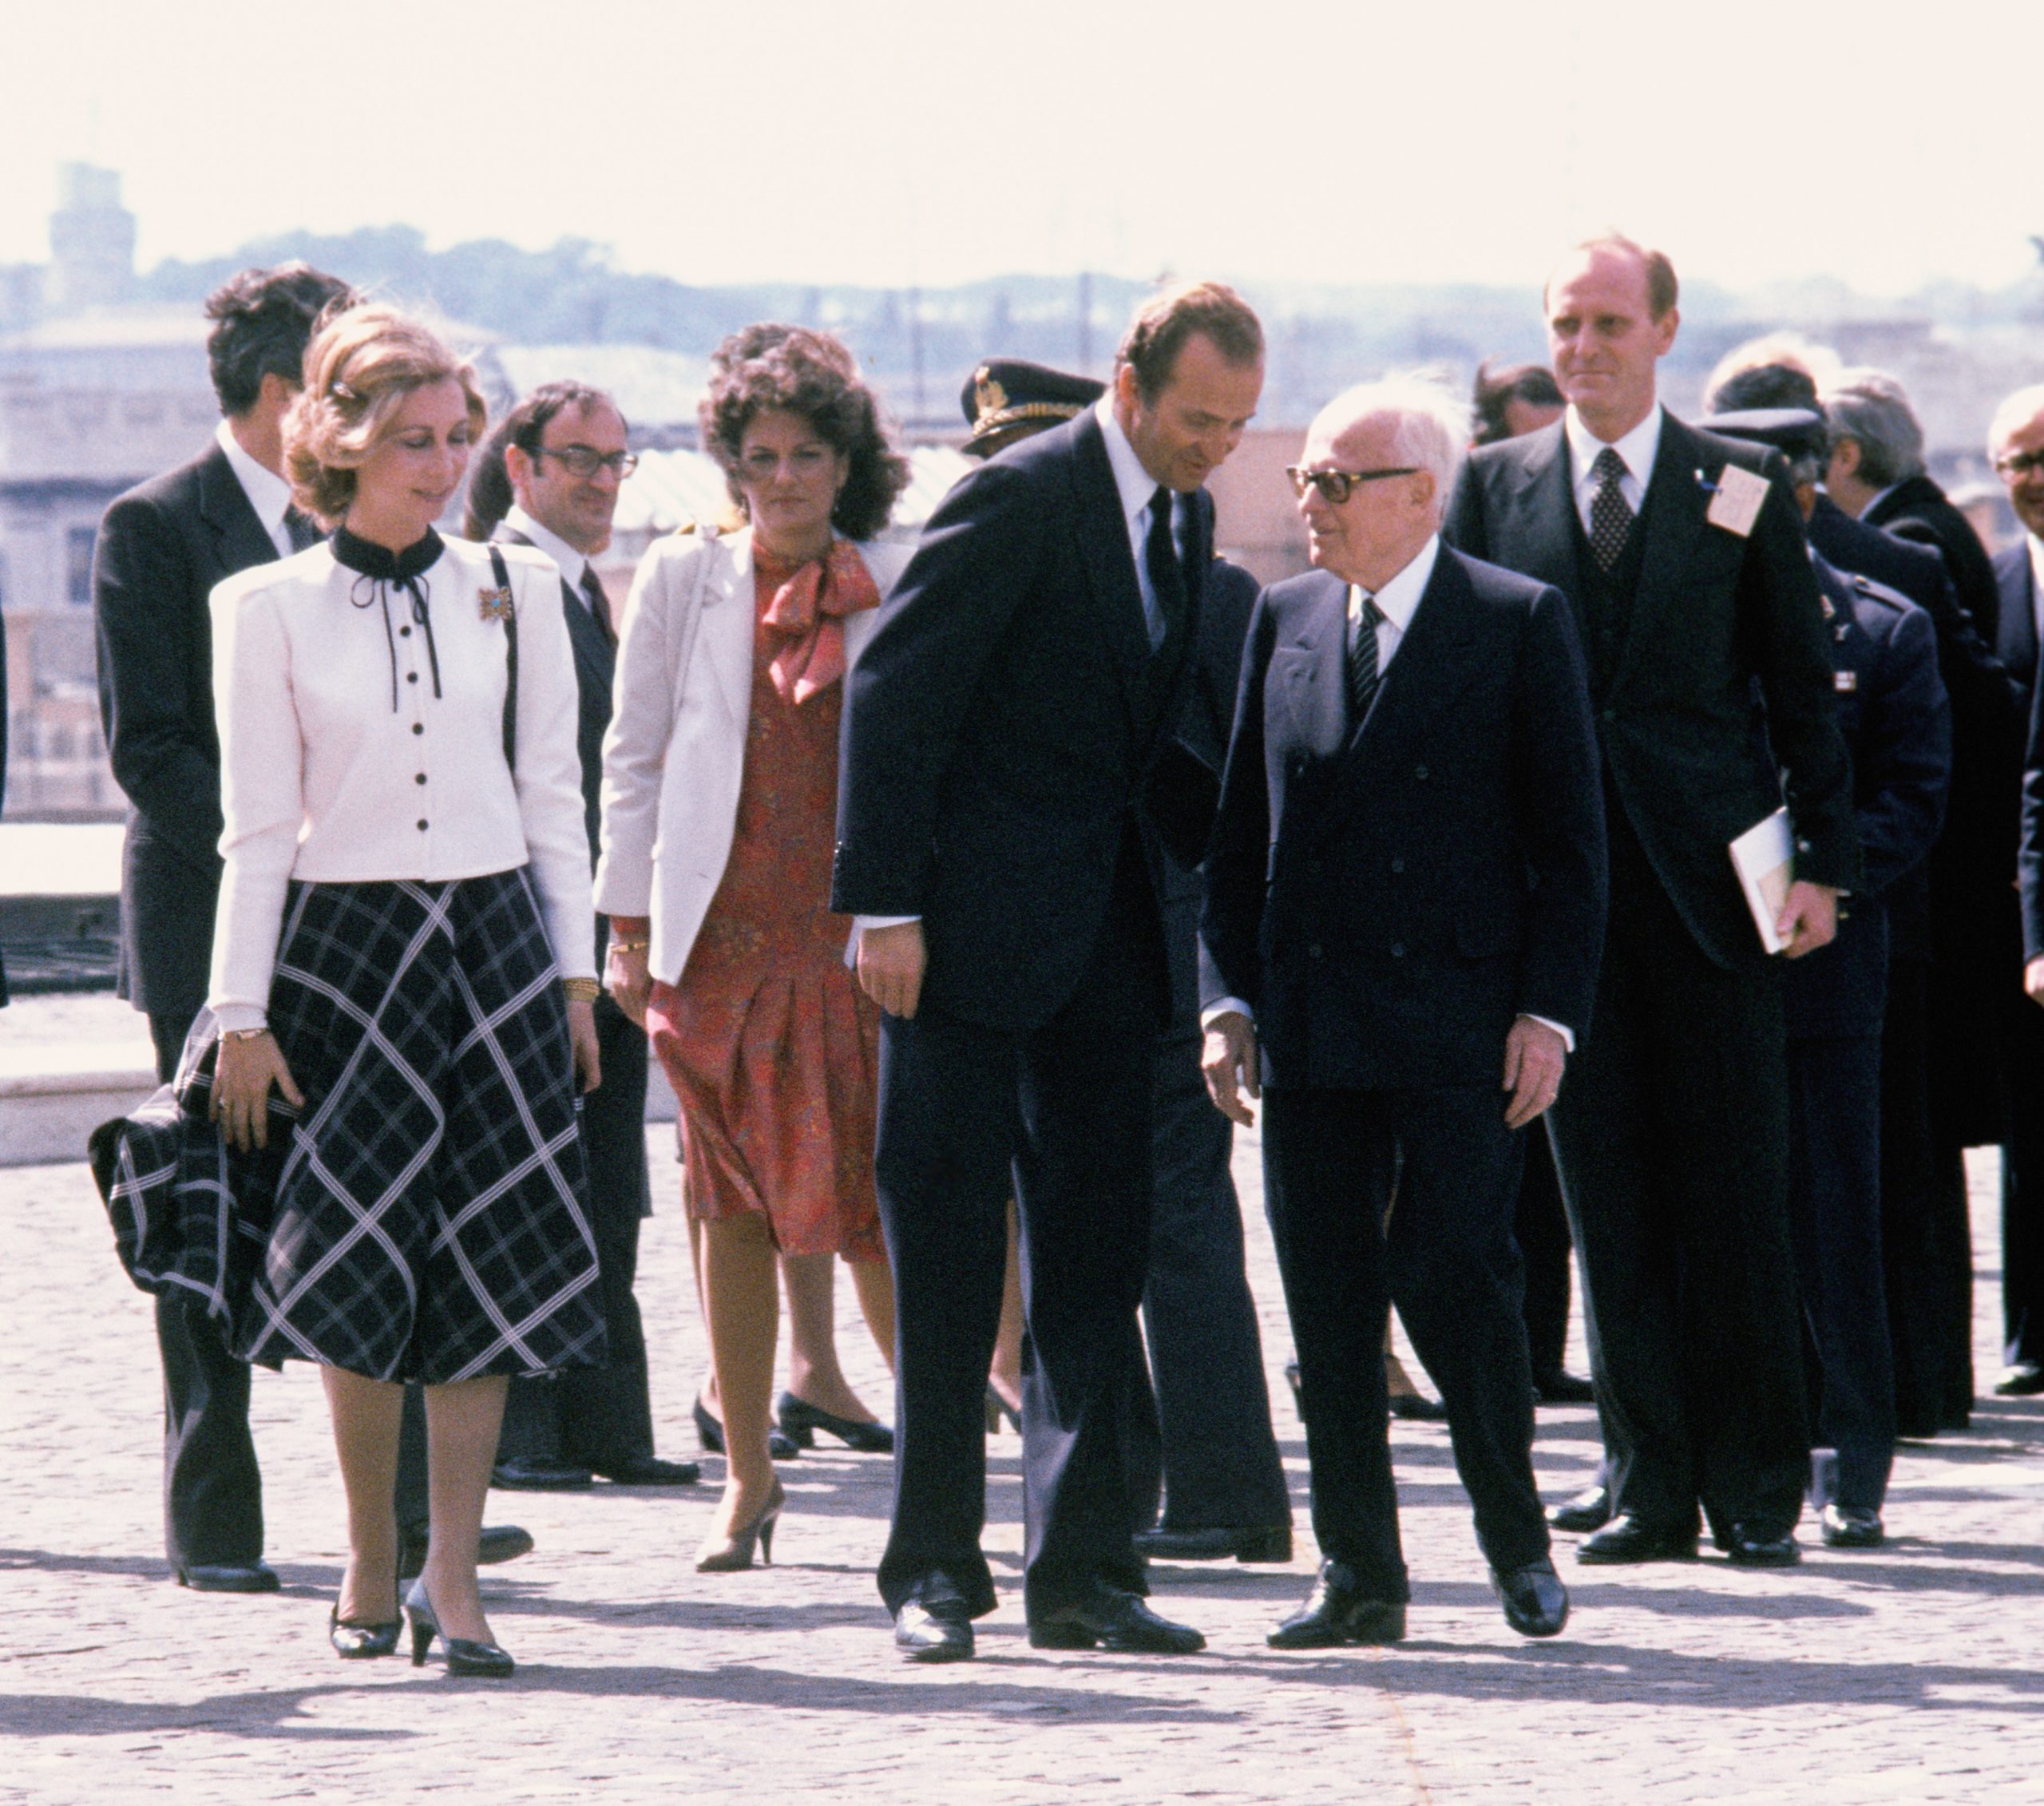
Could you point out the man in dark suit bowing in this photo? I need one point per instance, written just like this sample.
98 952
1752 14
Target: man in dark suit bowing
162 547
1405 898
1003 728
557 459
1684 559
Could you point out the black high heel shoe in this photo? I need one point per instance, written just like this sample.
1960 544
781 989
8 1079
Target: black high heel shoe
464 1656
357 1642
800 1420
735 1551
710 1436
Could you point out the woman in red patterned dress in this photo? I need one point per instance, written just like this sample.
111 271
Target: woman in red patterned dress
720 811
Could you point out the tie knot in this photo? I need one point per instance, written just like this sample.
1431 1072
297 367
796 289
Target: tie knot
1609 467
1366 610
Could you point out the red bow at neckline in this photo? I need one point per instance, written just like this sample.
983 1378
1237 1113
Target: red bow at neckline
806 618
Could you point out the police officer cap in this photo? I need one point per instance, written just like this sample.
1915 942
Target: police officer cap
1005 397
1793 432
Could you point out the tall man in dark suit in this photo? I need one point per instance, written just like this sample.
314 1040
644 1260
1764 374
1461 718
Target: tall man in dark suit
162 548
1199 1432
1405 901
1685 561
563 452
1002 726
2015 442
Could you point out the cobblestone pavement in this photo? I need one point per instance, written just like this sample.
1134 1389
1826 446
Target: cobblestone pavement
1906 1674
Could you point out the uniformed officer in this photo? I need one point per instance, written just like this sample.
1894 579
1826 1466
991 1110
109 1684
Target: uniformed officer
1896 720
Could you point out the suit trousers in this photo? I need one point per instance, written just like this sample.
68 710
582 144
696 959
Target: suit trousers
1834 1196
1540 1226
1927 1236
212 1489
1206 1444
1448 1262
2021 1026
598 1417
1672 1136
1058 1116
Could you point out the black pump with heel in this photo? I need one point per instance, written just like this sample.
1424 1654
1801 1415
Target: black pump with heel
800 1420
357 1642
464 1655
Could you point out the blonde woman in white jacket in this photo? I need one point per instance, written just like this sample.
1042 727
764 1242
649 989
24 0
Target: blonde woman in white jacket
720 783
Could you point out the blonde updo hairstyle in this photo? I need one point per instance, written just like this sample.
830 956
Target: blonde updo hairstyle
358 369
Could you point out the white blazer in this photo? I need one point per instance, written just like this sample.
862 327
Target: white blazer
675 756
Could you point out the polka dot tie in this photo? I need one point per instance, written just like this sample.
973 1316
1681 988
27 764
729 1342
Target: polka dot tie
1610 517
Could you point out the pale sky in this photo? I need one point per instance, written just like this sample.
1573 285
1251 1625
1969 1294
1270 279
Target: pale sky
894 141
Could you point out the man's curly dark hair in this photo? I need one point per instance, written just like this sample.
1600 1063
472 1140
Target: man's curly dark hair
791 368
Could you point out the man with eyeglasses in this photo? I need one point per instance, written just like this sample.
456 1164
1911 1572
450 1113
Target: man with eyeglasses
1683 556
2015 442
1404 906
557 459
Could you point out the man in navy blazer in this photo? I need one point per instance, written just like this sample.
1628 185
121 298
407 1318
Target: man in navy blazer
1003 731
1405 902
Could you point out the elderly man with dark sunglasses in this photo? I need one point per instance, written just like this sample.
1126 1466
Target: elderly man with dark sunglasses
1404 913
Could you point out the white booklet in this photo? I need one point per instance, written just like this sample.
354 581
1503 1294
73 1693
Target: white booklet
1765 858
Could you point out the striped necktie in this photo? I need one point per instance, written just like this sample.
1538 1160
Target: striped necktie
1364 618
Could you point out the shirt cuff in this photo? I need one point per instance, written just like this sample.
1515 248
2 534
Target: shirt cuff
1561 1028
1227 1006
234 1018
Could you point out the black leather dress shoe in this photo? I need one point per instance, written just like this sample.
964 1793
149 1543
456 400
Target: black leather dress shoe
1590 1509
1264 1542
535 1473
1560 1387
1416 1407
933 1623
1630 1538
1535 1602
1761 1545
228 1577
650 1470
498 1543
1339 1610
2023 1379
1108 1618
1851 1526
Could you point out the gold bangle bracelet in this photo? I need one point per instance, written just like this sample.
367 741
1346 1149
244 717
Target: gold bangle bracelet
581 990
630 946
244 1034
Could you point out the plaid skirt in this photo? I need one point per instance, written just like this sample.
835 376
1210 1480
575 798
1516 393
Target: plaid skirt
429 1219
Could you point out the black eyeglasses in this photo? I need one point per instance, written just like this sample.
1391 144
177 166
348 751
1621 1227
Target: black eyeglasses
1335 486
2020 464
586 460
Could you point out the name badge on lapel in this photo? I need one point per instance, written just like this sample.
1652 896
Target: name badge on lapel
494 605
1736 503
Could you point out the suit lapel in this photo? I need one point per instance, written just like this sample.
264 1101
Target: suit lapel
239 540
595 658
1545 536
1430 670
1109 560
1315 680
1672 520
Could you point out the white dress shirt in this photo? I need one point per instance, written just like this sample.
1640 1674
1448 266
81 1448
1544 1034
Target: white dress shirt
323 780
573 564
267 493
1398 601
1638 449
2037 583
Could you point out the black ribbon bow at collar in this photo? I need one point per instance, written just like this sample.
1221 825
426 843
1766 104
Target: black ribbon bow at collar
379 570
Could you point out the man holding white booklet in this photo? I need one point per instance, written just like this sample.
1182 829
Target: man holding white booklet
1685 558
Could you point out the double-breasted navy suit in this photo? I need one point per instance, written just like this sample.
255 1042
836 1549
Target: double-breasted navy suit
1896 720
1001 728
1387 896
